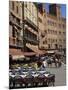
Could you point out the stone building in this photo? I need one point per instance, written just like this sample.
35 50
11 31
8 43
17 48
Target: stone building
32 29
15 28
23 29
30 25
54 29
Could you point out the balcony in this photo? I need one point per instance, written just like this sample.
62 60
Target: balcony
31 24
14 43
13 21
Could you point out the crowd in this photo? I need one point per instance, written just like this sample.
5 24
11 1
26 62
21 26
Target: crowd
49 61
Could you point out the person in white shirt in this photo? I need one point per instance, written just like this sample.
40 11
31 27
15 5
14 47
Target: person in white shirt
44 64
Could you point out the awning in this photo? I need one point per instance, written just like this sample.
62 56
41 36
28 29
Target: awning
35 49
18 54
15 51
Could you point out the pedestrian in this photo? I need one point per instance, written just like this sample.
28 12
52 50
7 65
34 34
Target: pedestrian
54 59
59 64
44 64
49 62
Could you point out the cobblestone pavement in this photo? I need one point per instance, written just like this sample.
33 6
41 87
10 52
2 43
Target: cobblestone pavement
60 75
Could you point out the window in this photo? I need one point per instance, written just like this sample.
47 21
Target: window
48 45
56 40
59 25
45 32
42 34
59 32
13 5
13 32
63 26
60 40
45 42
63 33
53 40
17 9
56 46
60 46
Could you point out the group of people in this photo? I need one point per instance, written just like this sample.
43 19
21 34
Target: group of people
55 60
49 63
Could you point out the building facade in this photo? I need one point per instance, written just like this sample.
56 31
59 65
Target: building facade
30 25
54 33
42 29
31 28
15 28
23 28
